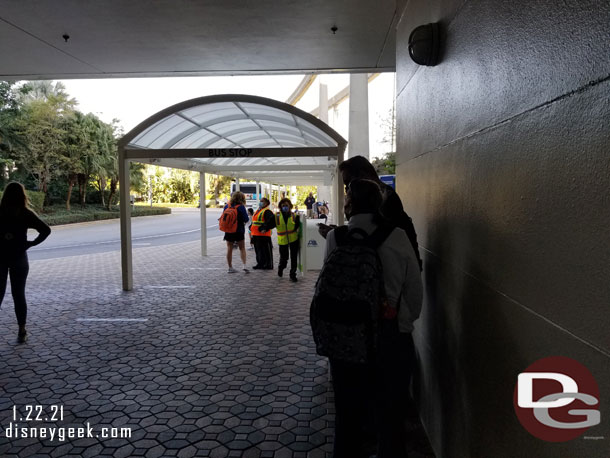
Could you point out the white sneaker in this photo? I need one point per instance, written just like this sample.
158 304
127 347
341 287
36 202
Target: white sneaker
246 270
231 270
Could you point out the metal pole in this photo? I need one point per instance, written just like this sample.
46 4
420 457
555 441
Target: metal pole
150 189
202 214
303 250
323 112
340 197
358 115
125 216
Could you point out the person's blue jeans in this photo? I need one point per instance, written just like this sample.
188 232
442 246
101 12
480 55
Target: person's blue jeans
17 269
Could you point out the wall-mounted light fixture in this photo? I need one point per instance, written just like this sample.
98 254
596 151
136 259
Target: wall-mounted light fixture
424 44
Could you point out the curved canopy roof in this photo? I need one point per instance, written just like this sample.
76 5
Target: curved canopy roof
238 135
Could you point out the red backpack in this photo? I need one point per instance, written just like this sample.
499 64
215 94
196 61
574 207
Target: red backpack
228 220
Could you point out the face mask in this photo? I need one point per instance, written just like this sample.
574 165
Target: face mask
285 208
261 205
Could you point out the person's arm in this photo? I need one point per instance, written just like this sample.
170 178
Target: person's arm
269 223
324 229
244 213
297 225
331 244
394 259
37 224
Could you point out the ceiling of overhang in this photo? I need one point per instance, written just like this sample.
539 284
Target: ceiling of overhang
119 38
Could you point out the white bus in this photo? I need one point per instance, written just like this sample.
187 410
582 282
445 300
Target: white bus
252 191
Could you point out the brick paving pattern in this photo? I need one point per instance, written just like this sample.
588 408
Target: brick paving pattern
223 366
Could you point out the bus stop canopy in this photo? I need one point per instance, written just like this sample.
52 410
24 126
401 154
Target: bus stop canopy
243 136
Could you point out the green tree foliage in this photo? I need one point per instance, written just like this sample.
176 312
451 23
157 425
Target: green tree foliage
303 192
44 137
45 141
90 150
9 110
385 165
41 129
172 185
219 185
9 137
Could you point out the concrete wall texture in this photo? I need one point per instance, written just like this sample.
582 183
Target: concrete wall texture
504 166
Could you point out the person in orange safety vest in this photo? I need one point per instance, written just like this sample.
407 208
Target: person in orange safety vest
262 223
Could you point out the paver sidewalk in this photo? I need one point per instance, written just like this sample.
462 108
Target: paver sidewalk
215 364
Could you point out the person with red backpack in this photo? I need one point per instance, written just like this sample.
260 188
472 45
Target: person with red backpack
233 223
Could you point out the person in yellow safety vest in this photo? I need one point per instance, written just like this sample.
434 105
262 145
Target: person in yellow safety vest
287 225
262 223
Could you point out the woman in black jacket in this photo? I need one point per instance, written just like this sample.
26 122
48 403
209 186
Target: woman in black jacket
15 220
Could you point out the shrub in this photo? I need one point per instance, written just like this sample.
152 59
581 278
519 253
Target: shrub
90 213
36 199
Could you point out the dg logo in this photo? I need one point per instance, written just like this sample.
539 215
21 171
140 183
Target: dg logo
556 399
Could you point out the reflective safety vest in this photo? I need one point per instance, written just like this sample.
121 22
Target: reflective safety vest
286 233
257 222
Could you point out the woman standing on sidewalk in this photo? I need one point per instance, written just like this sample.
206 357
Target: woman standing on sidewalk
237 205
15 220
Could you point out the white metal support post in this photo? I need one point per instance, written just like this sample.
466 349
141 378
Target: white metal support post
125 215
339 190
323 112
303 245
358 115
202 214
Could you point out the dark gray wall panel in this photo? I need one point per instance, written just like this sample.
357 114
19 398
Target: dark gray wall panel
473 342
538 190
504 165
513 56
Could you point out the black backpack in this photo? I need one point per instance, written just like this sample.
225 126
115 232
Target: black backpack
349 296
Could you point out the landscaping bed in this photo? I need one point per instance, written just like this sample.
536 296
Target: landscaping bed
56 216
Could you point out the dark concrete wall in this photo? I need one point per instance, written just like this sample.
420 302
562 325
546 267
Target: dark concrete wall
504 166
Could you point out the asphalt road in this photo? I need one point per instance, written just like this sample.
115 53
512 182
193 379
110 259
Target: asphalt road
183 225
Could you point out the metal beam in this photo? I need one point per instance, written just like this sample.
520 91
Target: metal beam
202 214
270 168
125 219
230 153
341 96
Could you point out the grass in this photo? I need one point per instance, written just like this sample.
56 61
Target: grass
54 216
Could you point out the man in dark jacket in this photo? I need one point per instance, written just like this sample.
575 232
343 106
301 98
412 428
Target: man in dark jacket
391 205
309 201
263 218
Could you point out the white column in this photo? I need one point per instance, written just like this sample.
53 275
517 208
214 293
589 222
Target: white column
236 184
340 192
358 115
258 193
125 215
202 214
323 110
